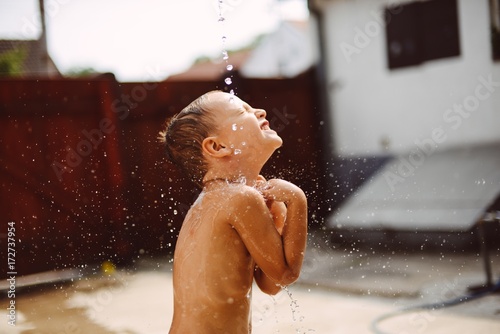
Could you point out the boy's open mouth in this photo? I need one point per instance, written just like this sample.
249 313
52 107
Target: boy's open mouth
265 126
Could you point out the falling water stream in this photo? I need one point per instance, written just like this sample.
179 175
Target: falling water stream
296 316
225 56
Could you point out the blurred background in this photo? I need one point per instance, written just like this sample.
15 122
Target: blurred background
389 111
85 88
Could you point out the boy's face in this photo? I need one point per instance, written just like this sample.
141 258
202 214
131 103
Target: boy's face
243 128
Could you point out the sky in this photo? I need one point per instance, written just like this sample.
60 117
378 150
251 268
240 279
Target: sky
143 40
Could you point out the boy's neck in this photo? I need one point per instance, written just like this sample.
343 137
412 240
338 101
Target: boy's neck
246 178
236 169
209 183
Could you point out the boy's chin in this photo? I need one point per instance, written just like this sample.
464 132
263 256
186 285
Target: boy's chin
274 141
278 142
273 134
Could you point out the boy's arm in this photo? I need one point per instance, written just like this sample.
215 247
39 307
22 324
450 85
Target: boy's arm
278 256
278 213
294 234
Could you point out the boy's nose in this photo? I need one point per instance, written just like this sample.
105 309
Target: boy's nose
260 113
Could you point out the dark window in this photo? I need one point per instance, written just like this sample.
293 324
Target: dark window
421 31
495 28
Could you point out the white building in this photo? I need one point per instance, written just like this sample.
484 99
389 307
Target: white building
284 53
420 81
375 109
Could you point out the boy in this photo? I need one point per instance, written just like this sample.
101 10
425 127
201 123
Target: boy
229 236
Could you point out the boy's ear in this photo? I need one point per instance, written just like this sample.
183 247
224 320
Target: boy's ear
213 147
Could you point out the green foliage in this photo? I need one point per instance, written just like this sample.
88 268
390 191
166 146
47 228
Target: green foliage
76 72
11 61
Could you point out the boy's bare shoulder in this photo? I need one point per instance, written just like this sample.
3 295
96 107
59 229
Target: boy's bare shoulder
241 203
236 195
240 191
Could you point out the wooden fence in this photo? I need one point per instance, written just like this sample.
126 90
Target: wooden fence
83 178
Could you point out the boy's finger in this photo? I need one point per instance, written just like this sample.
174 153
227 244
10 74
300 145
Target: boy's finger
261 186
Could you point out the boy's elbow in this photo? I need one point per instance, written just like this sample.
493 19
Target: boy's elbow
289 277
284 280
271 290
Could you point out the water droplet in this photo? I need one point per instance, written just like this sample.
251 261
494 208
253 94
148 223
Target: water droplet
481 181
229 67
234 127
225 55
228 81
237 151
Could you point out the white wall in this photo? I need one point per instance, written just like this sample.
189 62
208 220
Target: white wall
287 52
371 104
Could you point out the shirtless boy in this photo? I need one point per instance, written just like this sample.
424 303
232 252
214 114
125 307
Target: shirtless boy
241 227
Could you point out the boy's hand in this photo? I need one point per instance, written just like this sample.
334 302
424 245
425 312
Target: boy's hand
282 191
277 209
278 195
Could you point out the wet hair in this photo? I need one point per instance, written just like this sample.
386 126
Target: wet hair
183 135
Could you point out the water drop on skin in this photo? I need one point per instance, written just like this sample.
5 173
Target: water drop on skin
237 151
229 67
228 81
231 97
234 127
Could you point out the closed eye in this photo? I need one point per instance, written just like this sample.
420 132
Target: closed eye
247 108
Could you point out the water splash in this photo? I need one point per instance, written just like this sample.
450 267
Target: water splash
480 182
293 304
241 180
296 316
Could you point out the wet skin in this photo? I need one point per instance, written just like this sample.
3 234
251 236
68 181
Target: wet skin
227 232
240 228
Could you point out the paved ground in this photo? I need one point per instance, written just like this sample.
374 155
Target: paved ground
340 291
